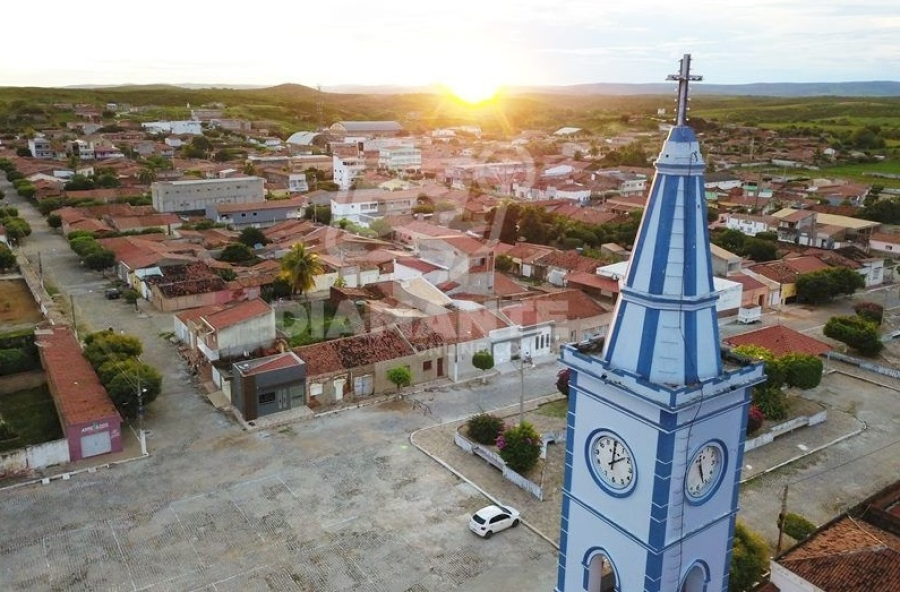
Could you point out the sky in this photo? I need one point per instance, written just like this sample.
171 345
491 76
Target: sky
463 42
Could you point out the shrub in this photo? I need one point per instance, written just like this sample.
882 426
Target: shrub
771 401
562 381
802 370
755 420
856 332
13 361
749 560
797 527
520 447
870 311
483 360
484 428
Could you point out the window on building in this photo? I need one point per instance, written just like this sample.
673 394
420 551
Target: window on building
265 398
426 365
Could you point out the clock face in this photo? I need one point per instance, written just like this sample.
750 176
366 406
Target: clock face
704 471
612 462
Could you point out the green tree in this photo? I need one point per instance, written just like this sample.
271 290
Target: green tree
483 360
237 253
252 236
382 228
320 214
796 526
760 250
124 387
7 258
103 346
54 221
79 183
300 268
749 560
504 263
24 152
17 228
100 260
401 376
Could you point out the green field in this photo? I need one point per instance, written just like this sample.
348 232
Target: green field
31 416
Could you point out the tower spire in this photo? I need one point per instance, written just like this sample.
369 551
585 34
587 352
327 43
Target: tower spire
683 77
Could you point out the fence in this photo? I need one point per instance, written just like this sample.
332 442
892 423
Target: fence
494 459
32 458
871 367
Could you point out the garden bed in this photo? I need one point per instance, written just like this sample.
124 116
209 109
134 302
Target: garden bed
31 415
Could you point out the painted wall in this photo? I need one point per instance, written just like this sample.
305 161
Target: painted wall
74 433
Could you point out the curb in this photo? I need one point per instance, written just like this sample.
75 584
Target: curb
65 476
458 474
807 453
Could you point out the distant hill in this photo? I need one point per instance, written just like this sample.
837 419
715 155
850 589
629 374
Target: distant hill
189 85
875 88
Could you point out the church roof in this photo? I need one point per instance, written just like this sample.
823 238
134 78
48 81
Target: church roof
669 291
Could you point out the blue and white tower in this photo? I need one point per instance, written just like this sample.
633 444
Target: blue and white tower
656 423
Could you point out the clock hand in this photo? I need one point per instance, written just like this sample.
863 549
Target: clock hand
613 458
700 466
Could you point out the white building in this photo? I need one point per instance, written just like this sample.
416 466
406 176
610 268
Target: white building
729 292
751 225
40 148
365 205
178 128
400 158
82 149
347 169
196 196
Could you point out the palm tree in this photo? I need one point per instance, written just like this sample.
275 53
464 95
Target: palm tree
300 268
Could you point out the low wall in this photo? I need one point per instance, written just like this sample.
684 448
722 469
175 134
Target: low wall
21 381
47 454
785 428
13 463
32 458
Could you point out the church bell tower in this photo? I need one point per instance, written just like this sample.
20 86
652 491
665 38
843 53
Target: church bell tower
656 422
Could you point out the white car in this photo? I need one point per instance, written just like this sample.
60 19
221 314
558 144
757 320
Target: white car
488 520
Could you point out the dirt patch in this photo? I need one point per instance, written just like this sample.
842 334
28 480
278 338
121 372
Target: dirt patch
17 305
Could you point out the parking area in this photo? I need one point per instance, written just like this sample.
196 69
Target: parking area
338 507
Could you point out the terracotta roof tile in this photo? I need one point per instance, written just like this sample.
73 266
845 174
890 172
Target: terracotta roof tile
76 389
780 340
237 314
353 352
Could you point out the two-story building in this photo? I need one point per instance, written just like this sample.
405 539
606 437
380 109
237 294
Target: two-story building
362 206
195 196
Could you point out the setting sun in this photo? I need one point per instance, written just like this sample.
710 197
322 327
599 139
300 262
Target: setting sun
474 90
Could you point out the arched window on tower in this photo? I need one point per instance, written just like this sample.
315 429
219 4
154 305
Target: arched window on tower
696 579
599 572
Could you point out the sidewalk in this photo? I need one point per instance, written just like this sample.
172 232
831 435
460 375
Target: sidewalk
131 451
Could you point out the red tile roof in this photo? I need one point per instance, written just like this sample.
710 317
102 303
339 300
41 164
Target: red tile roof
566 305
592 280
805 264
76 389
417 264
780 340
353 352
746 281
238 313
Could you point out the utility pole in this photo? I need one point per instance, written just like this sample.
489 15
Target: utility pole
781 517
74 322
521 390
140 414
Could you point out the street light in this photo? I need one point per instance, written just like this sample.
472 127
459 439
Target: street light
526 359
140 413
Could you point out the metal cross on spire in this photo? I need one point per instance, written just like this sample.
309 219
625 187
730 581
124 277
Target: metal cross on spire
683 77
